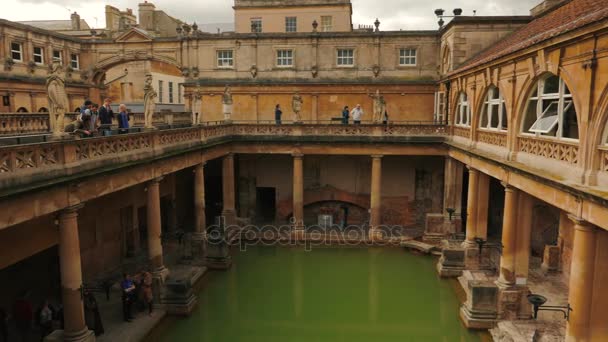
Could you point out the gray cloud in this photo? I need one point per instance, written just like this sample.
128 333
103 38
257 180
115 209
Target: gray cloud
393 14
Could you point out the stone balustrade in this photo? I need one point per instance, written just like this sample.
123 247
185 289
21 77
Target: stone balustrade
493 138
559 150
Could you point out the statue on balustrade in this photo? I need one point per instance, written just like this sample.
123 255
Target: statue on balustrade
149 101
296 105
379 106
197 99
58 99
227 103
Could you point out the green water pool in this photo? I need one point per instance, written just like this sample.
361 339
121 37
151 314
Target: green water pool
327 294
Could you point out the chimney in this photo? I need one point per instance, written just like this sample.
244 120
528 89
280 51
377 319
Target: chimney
146 15
75 21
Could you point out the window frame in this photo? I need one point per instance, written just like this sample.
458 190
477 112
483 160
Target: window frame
259 27
75 66
40 55
57 59
291 27
402 58
463 111
19 51
160 91
325 27
219 58
338 57
487 109
170 91
278 58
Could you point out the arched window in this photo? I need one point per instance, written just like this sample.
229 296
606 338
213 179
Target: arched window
43 110
22 110
550 110
494 111
463 111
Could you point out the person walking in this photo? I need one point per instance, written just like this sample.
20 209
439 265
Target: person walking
357 113
148 295
128 290
123 119
106 114
277 114
345 114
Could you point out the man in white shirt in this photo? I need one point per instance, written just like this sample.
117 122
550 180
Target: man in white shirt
356 113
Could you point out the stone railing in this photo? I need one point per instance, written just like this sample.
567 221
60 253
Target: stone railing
38 123
492 138
558 150
16 160
464 132
604 159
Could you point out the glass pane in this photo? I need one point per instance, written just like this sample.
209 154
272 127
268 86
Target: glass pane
551 85
484 116
570 124
493 116
504 123
530 116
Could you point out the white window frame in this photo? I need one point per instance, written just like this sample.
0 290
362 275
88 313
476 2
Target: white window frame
170 91
327 23
40 55
291 24
58 59
225 58
160 91
179 93
342 60
258 27
490 105
75 62
439 107
563 100
408 57
463 111
17 51
285 58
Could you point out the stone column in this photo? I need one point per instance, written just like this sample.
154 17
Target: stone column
75 328
483 201
375 197
582 270
453 193
155 248
199 202
298 192
471 226
228 209
509 238
524 230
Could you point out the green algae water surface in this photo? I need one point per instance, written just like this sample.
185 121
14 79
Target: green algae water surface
327 294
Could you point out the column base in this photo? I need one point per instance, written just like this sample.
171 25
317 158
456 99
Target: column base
480 310
218 263
85 335
375 234
451 264
477 319
298 233
179 299
229 216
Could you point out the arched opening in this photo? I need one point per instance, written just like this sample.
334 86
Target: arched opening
550 110
446 60
463 111
493 115
22 110
43 110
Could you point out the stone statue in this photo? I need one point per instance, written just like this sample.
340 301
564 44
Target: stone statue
149 101
296 105
197 99
58 99
227 103
379 106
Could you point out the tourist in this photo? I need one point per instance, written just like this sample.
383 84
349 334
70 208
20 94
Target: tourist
345 114
356 113
128 290
3 325
91 313
148 295
23 315
123 119
106 114
94 116
277 114
45 319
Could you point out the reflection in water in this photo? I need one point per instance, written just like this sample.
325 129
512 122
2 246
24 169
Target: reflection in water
328 294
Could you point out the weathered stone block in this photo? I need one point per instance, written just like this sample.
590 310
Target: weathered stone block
451 263
480 311
551 258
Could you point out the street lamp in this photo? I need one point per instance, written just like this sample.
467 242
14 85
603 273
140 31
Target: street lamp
538 302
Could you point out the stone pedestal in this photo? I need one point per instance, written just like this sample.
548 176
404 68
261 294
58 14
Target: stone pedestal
513 303
227 110
480 309
59 336
178 298
451 263
551 259
218 251
436 227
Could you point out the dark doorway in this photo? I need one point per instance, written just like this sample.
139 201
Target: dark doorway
266 206
142 225
213 190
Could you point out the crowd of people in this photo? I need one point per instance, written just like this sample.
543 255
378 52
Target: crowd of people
94 119
137 290
356 114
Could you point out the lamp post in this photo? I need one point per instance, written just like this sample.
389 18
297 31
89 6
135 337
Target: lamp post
538 302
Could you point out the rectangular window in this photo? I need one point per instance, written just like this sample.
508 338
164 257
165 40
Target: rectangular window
38 55
326 23
17 52
75 61
6 101
179 93
439 112
225 59
284 58
407 56
346 57
256 25
170 92
160 91
57 56
291 24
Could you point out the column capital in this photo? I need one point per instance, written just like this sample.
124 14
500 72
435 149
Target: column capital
156 180
471 169
297 155
377 156
508 187
581 224
71 210
229 155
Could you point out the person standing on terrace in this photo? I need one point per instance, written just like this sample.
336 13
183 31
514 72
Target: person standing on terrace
356 113
123 119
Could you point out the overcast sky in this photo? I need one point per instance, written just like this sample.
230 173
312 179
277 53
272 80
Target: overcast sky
393 14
